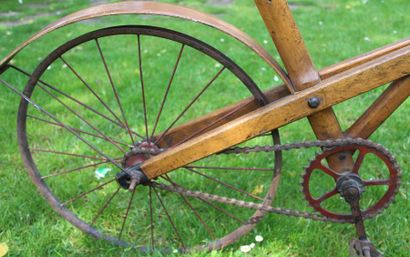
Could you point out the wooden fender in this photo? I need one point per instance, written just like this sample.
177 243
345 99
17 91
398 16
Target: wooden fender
155 8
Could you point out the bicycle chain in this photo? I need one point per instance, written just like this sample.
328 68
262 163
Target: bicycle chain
276 148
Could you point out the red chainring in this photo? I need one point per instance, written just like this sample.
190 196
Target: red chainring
319 164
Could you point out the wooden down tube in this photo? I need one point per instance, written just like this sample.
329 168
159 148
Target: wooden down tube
219 117
381 109
336 89
291 47
212 120
355 61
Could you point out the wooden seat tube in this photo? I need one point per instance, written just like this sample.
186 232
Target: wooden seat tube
292 49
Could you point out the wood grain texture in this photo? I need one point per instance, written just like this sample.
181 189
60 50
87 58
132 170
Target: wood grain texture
381 109
334 90
155 8
358 60
292 49
217 118
289 42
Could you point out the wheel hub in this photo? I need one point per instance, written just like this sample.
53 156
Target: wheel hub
139 153
132 175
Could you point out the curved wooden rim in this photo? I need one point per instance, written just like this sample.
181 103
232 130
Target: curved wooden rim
161 9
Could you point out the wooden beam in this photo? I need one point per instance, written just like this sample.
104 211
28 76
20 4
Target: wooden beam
302 72
217 118
284 111
178 134
381 109
361 59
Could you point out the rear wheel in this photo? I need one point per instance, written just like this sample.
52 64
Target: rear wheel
116 94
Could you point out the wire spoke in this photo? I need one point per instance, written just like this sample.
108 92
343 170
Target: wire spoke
106 203
74 170
191 103
82 119
151 219
91 90
224 184
216 207
169 218
114 90
41 109
87 192
142 87
67 154
187 202
126 213
75 129
224 117
167 89
79 102
120 124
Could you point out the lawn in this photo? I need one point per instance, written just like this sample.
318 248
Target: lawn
333 31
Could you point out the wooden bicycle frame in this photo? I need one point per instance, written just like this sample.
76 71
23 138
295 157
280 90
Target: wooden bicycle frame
330 86
241 121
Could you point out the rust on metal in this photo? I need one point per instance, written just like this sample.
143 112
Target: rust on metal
161 9
392 182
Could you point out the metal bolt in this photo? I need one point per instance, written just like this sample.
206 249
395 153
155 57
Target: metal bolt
314 102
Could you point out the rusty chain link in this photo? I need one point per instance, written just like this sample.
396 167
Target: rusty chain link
276 148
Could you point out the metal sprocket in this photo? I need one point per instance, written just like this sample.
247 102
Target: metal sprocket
319 164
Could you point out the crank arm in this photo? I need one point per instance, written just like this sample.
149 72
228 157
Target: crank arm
351 187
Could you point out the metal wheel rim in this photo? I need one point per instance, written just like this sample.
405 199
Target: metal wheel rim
47 192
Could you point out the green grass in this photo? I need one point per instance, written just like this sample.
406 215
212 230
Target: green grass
333 30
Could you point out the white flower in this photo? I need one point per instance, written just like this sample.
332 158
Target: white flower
366 39
320 23
252 245
245 248
222 40
258 238
20 1
175 251
265 42
8 33
276 78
